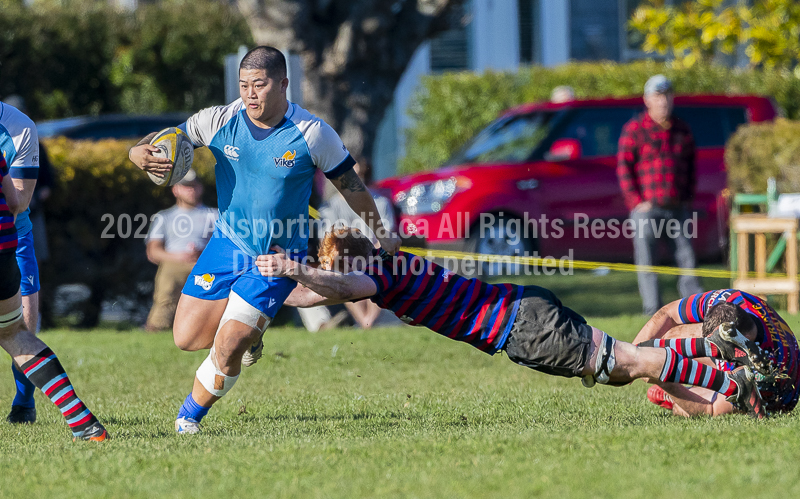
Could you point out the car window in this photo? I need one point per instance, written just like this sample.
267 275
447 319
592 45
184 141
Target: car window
711 126
510 139
96 131
597 129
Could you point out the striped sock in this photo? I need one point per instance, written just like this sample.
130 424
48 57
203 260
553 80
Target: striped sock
688 347
45 371
680 369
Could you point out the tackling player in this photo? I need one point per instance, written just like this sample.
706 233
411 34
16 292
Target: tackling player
267 151
765 342
33 358
19 143
529 323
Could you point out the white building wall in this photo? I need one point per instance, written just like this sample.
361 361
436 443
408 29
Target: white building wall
494 34
554 32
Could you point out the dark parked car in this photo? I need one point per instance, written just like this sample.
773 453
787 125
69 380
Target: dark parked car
559 161
109 126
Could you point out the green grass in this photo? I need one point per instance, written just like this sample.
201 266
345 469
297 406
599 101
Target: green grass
397 412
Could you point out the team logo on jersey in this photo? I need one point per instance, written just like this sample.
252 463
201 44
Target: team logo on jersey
204 281
287 160
447 274
231 152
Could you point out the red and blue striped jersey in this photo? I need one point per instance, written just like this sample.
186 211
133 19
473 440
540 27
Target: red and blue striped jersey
774 335
422 293
8 233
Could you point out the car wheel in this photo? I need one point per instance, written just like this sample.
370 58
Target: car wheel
504 237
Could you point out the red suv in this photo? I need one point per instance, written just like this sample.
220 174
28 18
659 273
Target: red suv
541 167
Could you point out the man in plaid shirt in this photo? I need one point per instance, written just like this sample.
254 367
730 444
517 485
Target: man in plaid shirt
656 170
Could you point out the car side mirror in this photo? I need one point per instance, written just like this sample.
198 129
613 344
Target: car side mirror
564 150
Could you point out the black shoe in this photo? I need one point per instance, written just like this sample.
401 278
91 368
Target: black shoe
95 432
735 347
21 415
747 398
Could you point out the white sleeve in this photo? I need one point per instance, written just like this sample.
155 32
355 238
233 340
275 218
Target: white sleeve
26 141
327 150
202 126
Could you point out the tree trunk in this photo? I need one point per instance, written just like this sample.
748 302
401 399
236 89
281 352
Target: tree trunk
353 54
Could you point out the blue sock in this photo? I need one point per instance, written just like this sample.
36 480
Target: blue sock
192 410
25 389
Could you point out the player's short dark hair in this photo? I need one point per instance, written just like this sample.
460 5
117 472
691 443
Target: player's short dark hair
726 312
267 58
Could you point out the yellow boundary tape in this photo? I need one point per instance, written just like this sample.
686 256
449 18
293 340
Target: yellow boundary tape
582 265
575 264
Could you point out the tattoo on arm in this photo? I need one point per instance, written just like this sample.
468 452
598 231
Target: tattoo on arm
349 181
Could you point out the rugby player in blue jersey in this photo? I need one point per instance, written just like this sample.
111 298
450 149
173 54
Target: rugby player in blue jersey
267 151
529 323
19 144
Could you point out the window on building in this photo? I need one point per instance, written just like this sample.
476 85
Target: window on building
594 30
450 49
529 31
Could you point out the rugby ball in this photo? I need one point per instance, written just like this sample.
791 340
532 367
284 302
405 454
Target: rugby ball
175 145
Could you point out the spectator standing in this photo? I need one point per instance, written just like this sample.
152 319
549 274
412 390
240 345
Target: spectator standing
656 170
176 238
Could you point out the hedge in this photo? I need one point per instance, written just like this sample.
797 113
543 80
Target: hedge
451 107
98 190
761 150
88 57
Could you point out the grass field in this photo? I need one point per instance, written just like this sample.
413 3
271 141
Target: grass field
398 412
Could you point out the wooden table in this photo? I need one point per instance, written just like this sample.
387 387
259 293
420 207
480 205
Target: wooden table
760 225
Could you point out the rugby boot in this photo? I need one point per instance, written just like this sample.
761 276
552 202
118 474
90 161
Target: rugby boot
747 398
95 433
659 397
21 415
255 352
735 347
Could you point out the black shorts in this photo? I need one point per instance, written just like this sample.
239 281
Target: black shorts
9 275
547 336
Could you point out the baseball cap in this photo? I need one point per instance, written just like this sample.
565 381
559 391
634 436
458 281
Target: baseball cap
189 178
658 84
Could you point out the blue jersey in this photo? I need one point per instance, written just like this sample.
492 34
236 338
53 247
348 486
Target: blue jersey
19 144
264 176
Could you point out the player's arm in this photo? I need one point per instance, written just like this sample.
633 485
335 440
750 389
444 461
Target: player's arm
10 193
303 297
690 402
360 200
659 325
342 287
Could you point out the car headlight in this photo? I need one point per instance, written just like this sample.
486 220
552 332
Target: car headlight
429 197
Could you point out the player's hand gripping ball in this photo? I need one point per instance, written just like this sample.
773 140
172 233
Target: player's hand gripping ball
176 146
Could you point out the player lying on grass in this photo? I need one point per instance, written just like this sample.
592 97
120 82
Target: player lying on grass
529 322
764 342
29 353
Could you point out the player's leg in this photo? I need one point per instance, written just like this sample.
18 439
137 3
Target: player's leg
196 322
36 360
23 408
616 362
241 325
205 295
